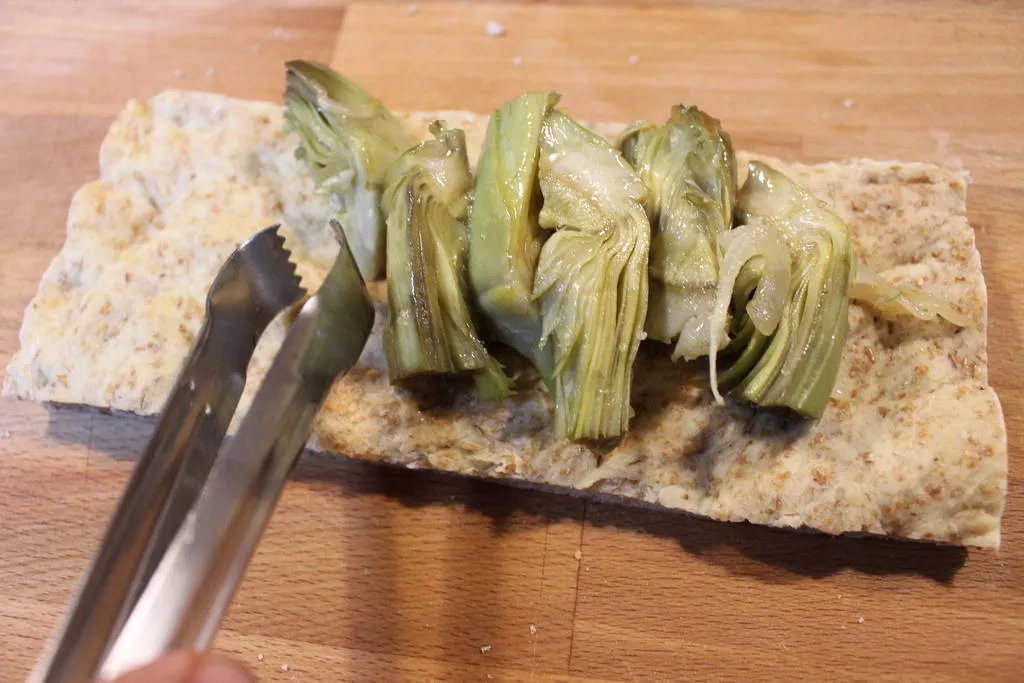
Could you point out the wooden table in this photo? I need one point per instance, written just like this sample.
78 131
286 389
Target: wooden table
374 574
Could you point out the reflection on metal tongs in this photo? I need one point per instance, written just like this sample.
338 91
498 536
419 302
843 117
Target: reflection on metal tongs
190 519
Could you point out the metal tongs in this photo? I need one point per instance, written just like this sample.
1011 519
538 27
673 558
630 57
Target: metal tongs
189 519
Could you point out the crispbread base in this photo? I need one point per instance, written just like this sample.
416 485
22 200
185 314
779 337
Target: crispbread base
912 443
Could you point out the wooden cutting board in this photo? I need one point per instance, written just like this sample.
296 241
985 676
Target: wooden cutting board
376 574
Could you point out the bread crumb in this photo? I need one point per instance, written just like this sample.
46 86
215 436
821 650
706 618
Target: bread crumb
209 71
260 657
517 61
278 32
533 629
860 620
847 103
484 649
633 59
285 667
494 30
578 554
411 10
178 73
208 409
4 434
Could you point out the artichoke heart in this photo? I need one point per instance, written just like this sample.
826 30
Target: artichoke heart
430 330
349 140
689 166
558 255
786 347
591 280
505 237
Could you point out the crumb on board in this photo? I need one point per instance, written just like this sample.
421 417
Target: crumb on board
411 10
494 30
860 620
209 71
517 61
178 74
285 667
578 554
260 657
533 629
847 103
5 434
484 649
633 60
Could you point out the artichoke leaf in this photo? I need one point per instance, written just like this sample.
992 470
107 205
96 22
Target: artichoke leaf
759 252
592 277
689 167
892 301
348 139
430 329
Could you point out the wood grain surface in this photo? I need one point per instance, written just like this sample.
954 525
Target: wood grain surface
375 574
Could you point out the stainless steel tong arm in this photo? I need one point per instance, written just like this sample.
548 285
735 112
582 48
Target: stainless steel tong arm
186 599
256 282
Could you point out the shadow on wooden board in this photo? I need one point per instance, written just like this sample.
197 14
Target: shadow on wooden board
740 548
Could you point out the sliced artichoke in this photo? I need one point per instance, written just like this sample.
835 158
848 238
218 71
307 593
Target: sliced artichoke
349 140
429 329
591 278
504 236
573 301
689 166
792 364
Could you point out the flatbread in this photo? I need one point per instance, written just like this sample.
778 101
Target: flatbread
912 443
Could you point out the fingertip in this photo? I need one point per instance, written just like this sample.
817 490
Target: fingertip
220 669
190 667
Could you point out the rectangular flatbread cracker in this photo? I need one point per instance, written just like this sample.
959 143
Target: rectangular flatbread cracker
912 444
